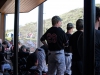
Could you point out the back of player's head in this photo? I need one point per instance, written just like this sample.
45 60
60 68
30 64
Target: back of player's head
97 13
55 20
70 26
79 24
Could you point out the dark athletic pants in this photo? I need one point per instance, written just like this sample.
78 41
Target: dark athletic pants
76 67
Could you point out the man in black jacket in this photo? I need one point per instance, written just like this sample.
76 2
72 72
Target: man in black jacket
73 43
68 53
97 42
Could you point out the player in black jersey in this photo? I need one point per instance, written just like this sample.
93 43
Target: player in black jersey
68 53
74 46
97 42
56 38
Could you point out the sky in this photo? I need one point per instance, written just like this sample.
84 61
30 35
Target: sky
51 8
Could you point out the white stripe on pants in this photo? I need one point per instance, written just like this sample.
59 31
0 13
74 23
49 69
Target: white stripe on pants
68 62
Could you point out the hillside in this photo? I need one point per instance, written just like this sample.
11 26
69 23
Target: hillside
71 16
28 32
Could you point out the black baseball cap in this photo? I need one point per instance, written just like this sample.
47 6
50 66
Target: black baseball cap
5 43
70 25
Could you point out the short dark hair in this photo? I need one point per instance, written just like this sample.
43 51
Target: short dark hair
5 43
55 19
22 48
97 13
79 24
69 26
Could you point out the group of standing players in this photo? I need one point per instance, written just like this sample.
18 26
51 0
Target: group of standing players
66 49
59 45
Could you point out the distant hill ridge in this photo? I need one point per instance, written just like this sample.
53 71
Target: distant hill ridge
70 16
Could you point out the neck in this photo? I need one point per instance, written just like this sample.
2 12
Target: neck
55 26
69 31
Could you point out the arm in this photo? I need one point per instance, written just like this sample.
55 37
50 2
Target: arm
6 60
43 38
44 42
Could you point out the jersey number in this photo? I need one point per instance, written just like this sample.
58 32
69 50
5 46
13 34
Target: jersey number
51 38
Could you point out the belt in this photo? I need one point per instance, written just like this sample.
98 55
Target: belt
67 55
67 51
54 53
39 50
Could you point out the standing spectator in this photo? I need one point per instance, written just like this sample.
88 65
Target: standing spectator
56 38
68 54
97 42
76 57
